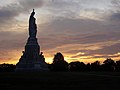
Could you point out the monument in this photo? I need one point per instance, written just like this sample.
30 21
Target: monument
32 59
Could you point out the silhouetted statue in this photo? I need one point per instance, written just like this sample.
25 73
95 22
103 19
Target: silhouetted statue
32 60
32 25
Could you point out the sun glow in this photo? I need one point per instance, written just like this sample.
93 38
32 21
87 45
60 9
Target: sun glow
49 60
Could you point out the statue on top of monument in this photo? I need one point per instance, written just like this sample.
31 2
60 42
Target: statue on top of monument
32 25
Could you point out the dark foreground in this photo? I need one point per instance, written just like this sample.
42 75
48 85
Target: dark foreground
60 81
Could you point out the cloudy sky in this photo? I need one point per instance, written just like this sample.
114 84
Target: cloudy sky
82 30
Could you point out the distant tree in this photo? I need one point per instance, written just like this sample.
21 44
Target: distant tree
109 65
95 66
74 66
7 67
59 64
118 65
77 66
88 67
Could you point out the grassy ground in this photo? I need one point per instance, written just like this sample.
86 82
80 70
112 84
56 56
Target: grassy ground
60 80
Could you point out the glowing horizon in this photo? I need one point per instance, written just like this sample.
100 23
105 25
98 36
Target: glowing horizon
84 59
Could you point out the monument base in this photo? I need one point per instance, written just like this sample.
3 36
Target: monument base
23 65
31 60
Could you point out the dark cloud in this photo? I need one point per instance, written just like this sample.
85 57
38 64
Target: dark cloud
105 52
11 40
112 49
115 19
115 16
100 37
73 26
105 56
8 13
72 31
115 12
79 26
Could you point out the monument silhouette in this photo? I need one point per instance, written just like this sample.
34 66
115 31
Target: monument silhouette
32 59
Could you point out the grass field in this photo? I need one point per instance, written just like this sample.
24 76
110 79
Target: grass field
60 80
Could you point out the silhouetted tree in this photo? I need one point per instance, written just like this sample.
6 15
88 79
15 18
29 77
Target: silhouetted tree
88 67
95 66
7 67
59 64
77 66
108 65
117 65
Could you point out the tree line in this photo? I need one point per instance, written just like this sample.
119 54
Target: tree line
59 64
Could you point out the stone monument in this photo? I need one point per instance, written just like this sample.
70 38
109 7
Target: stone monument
32 59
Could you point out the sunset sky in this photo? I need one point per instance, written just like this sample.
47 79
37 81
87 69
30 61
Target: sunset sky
82 30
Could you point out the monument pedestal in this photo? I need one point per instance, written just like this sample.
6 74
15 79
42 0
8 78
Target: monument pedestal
31 60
